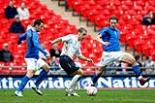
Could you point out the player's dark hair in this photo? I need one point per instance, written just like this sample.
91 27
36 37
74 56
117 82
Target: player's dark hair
37 22
81 30
113 18
137 57
153 15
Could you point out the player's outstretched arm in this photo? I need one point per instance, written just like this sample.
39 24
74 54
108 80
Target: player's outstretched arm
21 38
58 40
98 38
61 39
85 58
36 43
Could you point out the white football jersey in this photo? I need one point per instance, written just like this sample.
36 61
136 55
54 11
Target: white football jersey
71 46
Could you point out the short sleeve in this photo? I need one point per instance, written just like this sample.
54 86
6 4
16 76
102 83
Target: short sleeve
48 54
103 32
66 38
78 52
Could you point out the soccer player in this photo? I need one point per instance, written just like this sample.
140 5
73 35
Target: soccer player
32 58
109 37
70 48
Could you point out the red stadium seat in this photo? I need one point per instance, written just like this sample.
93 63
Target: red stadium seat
129 13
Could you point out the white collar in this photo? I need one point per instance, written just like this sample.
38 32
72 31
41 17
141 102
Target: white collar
33 29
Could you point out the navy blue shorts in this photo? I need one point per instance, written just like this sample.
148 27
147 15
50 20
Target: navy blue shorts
68 64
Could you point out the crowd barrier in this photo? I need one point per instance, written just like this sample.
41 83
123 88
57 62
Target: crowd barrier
59 80
62 81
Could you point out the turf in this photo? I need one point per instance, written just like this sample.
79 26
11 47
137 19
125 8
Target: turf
58 96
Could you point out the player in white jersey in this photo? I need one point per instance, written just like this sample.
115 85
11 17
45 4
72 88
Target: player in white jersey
70 48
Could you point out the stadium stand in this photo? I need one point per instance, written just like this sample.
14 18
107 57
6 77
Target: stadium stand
55 27
133 33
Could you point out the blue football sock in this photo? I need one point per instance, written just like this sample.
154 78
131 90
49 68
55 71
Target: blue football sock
137 70
41 76
95 78
23 83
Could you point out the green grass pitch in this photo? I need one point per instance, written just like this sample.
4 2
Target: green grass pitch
58 96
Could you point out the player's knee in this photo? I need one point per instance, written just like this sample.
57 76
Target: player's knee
82 73
46 68
102 68
128 58
79 72
30 73
135 63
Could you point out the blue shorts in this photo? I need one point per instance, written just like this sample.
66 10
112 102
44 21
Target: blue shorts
68 64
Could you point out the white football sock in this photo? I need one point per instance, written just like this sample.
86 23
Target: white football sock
73 82
140 77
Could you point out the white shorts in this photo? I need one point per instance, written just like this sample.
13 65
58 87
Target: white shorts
109 57
35 64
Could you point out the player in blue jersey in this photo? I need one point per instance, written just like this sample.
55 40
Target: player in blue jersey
32 57
109 37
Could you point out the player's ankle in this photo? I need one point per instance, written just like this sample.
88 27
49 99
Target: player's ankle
140 77
92 85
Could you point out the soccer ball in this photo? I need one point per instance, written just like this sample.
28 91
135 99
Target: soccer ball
91 91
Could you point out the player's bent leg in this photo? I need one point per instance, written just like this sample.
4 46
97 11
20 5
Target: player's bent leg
97 75
128 58
78 72
30 73
138 72
18 93
70 91
46 68
25 79
40 78
39 92
42 75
